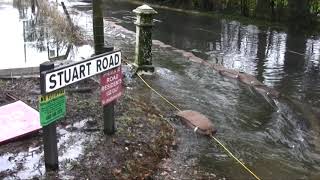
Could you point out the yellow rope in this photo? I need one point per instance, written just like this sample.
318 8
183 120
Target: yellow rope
242 164
159 94
224 147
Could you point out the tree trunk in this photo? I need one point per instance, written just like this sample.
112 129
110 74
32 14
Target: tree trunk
244 8
299 14
263 9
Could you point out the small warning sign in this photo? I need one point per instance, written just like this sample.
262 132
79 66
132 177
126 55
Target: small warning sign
52 107
111 85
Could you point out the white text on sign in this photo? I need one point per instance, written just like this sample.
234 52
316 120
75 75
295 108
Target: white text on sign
111 85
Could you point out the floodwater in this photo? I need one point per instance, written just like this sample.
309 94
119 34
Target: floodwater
277 138
19 46
28 162
288 62
27 40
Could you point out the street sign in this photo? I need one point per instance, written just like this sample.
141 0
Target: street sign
52 107
63 76
111 85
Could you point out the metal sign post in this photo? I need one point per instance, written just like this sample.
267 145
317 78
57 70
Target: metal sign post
49 131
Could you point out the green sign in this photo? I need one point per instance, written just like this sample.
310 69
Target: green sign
52 107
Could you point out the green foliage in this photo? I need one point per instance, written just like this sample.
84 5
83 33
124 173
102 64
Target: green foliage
252 4
230 2
275 10
315 7
280 3
195 3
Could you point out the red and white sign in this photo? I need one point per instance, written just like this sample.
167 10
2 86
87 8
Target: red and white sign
17 119
111 85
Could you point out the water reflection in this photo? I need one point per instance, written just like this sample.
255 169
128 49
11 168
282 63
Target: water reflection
313 53
26 41
285 61
274 57
239 46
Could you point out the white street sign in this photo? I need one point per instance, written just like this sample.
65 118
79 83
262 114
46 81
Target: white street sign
63 76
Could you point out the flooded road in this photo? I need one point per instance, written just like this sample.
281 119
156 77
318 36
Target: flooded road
21 47
29 39
278 140
288 62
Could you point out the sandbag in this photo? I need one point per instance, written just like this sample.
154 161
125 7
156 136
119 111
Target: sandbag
198 122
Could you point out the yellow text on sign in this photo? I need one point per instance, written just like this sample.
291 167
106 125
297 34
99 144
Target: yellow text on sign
51 96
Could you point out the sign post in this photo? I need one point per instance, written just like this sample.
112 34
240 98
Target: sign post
52 102
98 35
49 131
111 89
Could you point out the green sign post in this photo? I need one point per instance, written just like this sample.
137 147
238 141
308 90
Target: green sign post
52 107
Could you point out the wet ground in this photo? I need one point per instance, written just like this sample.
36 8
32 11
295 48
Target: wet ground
142 139
276 138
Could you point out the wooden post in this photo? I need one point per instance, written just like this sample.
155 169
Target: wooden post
98 33
49 132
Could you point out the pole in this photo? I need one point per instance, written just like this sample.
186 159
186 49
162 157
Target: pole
49 131
98 33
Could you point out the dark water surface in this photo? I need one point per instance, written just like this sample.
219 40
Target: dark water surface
288 62
279 141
